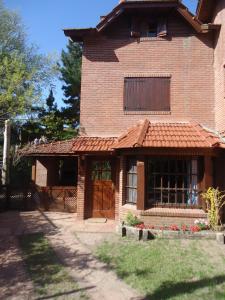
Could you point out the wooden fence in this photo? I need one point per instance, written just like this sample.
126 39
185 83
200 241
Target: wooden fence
63 199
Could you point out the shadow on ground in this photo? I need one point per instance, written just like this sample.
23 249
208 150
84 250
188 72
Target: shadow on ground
168 289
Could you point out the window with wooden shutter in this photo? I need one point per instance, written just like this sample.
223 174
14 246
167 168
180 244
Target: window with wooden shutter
147 94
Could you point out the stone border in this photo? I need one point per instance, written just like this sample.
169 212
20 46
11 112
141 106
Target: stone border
148 234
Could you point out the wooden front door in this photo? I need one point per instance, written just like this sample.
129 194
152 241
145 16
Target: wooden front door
103 196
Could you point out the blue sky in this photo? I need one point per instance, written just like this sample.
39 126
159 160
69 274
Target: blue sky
45 19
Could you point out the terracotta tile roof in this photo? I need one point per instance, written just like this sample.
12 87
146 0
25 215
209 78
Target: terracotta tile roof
62 147
93 144
79 144
144 134
168 135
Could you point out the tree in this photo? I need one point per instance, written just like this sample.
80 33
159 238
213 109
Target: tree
23 72
71 76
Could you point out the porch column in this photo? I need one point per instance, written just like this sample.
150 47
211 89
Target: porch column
208 176
33 172
81 188
208 172
141 183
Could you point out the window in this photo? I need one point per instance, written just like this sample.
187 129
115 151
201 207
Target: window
68 172
101 170
131 186
172 182
149 27
147 94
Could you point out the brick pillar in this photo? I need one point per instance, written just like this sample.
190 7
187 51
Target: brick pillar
121 196
117 188
81 187
207 180
141 183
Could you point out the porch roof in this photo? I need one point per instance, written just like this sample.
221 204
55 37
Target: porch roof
70 147
144 134
169 135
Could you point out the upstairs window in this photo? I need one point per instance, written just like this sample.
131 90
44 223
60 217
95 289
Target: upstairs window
147 94
152 28
149 29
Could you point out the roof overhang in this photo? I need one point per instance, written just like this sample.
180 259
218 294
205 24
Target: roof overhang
205 10
78 35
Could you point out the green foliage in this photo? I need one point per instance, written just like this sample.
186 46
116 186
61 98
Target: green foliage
132 220
23 72
71 76
50 124
215 201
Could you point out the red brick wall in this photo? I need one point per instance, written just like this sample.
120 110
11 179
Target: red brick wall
46 172
219 63
186 56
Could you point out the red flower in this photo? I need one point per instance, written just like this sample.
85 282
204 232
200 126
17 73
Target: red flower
195 228
174 228
184 228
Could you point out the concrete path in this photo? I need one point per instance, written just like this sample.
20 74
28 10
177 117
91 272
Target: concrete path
91 275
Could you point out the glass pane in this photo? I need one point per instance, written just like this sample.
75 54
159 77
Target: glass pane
180 197
134 181
95 175
106 165
172 166
165 166
165 196
194 182
194 166
96 165
180 166
134 196
172 181
158 181
172 197
158 196
165 181
129 180
150 182
157 167
106 175
180 180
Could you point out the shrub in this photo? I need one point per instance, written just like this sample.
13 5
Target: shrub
215 200
132 220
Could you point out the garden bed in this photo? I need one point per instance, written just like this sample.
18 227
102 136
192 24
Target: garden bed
151 233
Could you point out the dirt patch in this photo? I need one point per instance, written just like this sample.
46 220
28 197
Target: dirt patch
14 281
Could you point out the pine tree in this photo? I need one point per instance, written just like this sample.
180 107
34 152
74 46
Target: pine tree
71 76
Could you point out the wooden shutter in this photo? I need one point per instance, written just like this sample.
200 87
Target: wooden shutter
147 94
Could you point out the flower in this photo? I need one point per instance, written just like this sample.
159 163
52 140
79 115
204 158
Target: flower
195 228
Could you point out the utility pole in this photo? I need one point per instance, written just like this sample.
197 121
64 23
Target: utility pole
6 153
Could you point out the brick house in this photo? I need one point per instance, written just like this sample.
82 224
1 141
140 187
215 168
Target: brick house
152 120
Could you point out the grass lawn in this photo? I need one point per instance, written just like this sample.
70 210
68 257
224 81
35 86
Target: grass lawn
169 269
51 279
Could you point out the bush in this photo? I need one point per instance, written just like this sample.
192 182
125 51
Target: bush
132 220
215 201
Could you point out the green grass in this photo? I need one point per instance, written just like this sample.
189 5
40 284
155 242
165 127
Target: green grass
168 269
48 274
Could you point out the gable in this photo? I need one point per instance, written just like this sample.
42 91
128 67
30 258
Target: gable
135 7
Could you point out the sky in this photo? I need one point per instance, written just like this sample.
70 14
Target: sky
45 19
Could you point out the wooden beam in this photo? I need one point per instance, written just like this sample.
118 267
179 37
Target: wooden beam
141 183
